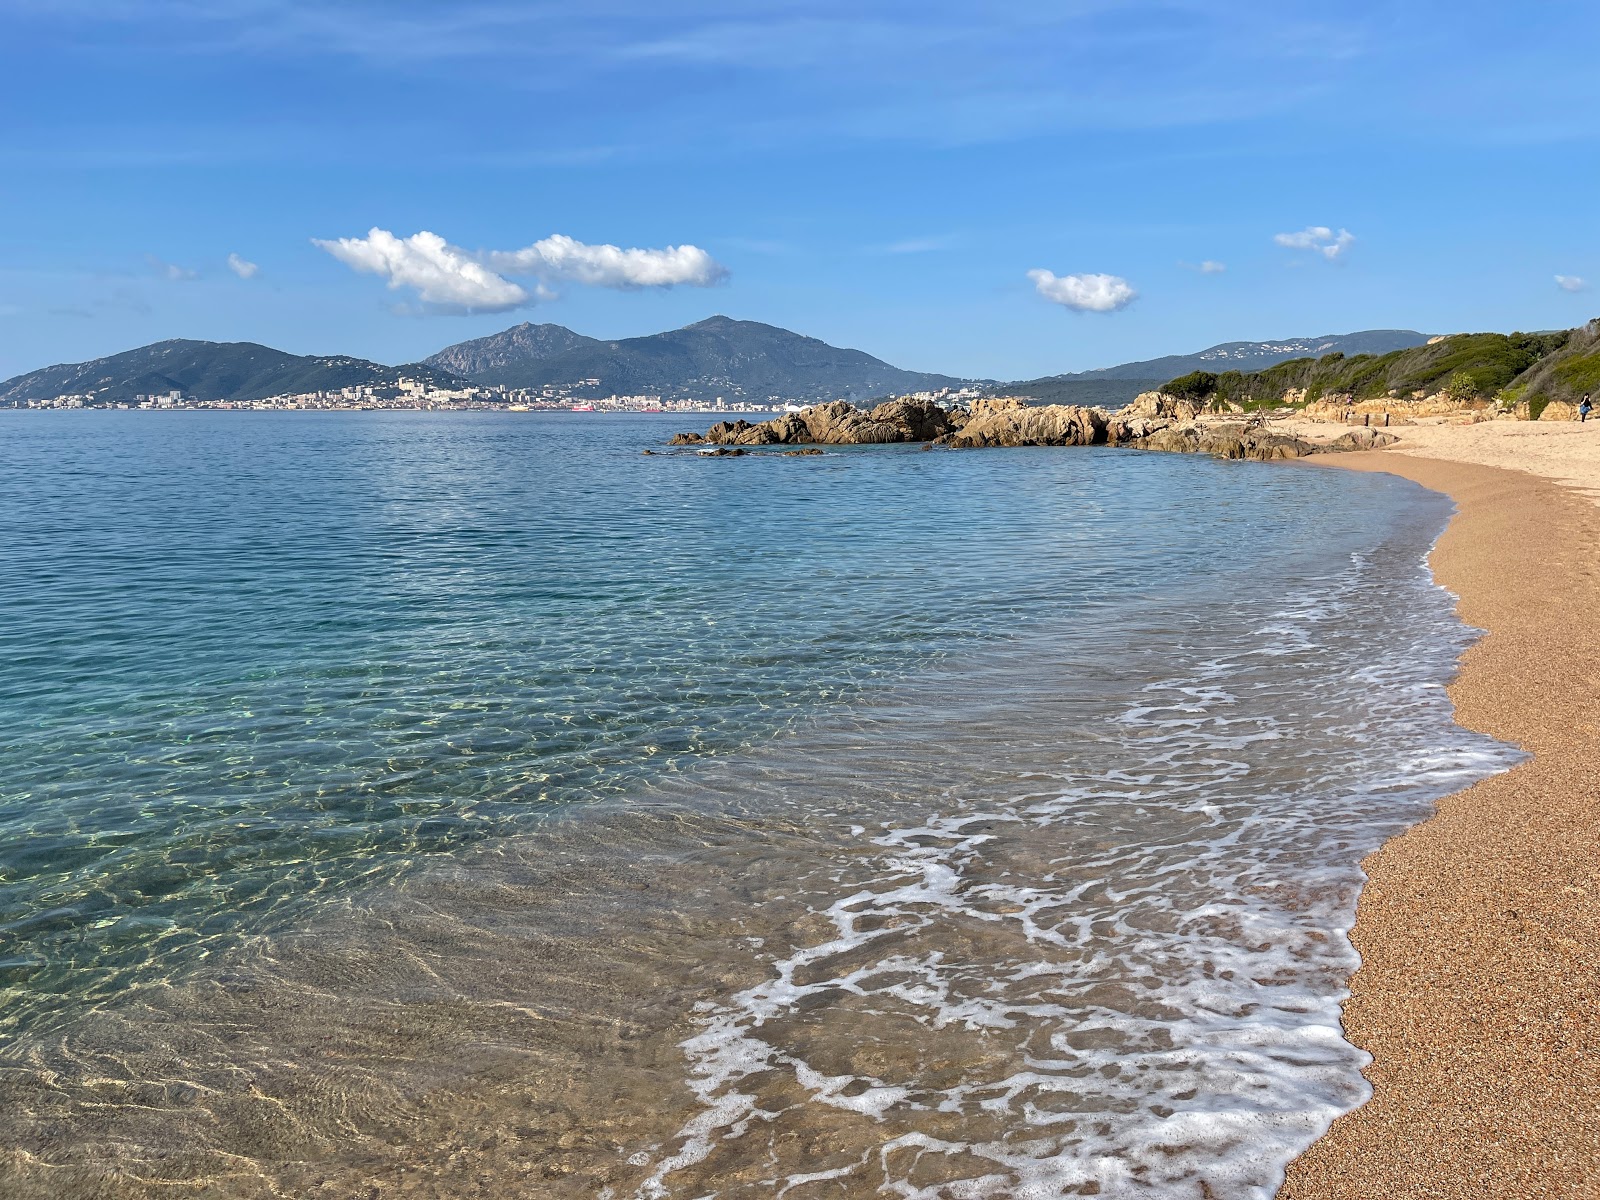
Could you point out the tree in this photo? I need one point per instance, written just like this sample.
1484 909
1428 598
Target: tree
1195 386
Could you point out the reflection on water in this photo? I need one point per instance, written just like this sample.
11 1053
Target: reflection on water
953 825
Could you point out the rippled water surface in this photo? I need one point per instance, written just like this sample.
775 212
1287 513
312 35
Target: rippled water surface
470 804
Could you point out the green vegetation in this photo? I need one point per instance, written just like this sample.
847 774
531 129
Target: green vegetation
1195 386
1463 386
1536 406
1580 374
1466 367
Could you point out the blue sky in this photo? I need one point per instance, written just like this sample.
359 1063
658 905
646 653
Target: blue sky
951 186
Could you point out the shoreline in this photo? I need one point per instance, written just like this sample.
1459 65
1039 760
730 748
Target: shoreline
1478 929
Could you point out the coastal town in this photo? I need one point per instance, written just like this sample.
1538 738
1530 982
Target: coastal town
409 394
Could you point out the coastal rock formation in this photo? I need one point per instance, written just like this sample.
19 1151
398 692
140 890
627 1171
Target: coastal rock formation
1006 421
1227 440
1555 410
838 423
1361 439
1397 410
1163 405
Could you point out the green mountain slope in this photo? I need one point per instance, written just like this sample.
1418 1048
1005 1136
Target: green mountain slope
1559 365
209 371
503 358
1112 387
715 357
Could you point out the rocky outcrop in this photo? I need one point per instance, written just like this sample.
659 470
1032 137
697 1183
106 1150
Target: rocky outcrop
1555 410
1226 440
835 424
1361 439
1163 405
1395 410
1009 422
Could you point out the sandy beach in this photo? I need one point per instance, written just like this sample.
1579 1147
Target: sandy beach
1479 932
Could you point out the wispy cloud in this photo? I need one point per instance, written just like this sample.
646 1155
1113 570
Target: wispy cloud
920 245
1209 266
1320 238
448 278
1572 283
242 267
1084 293
172 272
827 68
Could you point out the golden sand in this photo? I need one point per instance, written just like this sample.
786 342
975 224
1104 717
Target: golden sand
1479 931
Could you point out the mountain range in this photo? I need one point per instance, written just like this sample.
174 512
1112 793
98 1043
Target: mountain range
1115 385
739 360
211 371
720 356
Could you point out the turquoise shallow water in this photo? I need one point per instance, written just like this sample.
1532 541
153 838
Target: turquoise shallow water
256 665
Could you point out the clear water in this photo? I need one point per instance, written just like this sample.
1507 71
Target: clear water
433 800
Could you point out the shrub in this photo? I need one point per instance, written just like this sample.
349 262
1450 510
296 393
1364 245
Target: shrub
1506 398
1537 405
1196 386
1461 388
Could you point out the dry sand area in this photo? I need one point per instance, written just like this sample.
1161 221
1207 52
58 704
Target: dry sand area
1479 932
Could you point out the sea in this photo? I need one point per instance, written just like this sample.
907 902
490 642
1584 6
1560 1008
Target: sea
430 804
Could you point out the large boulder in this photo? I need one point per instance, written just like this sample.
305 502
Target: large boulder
837 423
1361 439
921 420
1227 440
1017 425
1122 430
1163 405
1175 439
841 423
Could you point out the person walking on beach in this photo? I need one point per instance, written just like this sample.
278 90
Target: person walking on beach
1583 409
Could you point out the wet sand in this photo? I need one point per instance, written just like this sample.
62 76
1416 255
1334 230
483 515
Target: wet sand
1479 933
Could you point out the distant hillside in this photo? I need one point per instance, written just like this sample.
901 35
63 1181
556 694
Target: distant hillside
1527 367
210 371
715 357
1113 386
504 357
1074 389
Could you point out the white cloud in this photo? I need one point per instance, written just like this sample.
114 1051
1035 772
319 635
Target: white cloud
560 258
441 274
1209 267
448 277
243 268
1319 238
1084 293
1572 283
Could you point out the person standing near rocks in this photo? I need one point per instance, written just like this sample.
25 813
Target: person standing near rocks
1584 409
